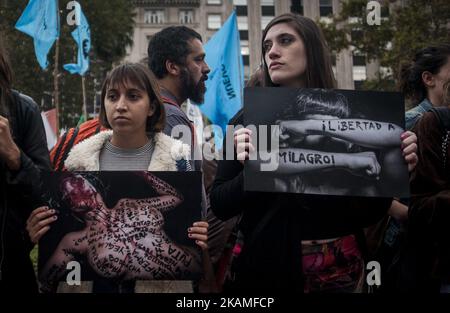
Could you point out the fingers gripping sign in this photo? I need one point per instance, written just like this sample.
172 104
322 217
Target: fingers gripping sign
243 144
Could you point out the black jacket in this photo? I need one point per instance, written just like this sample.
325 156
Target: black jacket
19 195
273 225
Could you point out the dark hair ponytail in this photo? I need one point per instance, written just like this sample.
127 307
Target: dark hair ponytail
429 59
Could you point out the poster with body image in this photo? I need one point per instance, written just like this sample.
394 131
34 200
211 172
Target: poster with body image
121 227
326 142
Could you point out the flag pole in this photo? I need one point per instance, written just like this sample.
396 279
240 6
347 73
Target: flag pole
56 86
55 77
241 75
83 86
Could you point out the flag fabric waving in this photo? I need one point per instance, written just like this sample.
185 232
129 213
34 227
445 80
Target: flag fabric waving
82 36
40 20
225 82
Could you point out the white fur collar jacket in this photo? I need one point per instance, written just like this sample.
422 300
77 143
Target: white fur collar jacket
169 154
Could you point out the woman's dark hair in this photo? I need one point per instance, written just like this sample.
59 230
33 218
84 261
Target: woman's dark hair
142 78
429 59
5 82
319 73
447 93
319 101
256 78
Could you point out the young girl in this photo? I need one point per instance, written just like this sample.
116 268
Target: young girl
131 106
296 242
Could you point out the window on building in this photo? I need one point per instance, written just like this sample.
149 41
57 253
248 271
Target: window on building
359 60
267 2
214 21
243 34
241 10
268 10
326 7
186 16
154 16
359 73
242 22
297 6
214 2
246 59
244 47
245 51
240 2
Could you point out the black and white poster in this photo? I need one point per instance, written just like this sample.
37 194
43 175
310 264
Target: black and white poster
121 226
330 142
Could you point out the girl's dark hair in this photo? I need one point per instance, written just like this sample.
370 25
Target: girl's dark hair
447 93
141 77
319 101
5 82
319 73
429 59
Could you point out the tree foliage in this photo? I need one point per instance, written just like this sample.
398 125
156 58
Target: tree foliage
405 28
111 23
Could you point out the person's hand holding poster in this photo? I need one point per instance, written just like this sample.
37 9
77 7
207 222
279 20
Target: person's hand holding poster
334 142
121 226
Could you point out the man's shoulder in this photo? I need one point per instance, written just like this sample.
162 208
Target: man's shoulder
172 109
175 115
25 102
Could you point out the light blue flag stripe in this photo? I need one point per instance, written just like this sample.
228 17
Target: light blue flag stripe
82 36
223 97
40 20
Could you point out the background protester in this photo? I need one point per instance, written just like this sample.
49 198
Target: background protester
23 154
422 80
296 242
426 264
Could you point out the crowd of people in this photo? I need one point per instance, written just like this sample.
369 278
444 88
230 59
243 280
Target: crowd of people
249 240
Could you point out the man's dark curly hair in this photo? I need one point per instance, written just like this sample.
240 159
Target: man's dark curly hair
171 43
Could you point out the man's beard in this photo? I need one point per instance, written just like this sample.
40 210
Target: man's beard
195 91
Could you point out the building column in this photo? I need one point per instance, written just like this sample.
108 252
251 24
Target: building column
282 6
344 60
311 9
372 69
254 33
202 19
227 9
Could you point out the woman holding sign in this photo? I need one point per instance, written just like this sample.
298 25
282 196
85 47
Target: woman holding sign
296 242
131 108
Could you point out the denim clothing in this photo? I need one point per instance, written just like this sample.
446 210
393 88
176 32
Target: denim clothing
413 115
